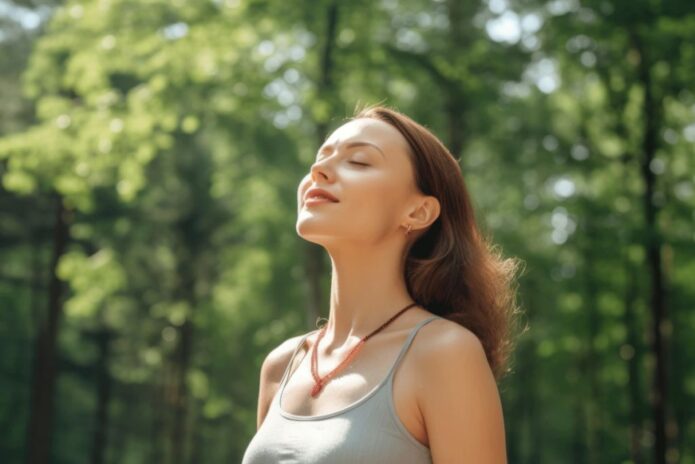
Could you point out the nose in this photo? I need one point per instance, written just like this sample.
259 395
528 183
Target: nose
319 169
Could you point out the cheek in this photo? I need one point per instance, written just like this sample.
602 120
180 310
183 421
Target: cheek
373 202
379 191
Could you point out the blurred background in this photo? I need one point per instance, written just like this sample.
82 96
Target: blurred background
150 152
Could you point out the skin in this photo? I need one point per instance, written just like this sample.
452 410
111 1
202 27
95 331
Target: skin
444 390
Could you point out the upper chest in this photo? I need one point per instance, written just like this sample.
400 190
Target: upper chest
369 370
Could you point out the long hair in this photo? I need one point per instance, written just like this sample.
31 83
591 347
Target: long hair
452 269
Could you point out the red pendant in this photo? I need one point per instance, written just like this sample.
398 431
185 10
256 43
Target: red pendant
319 382
316 389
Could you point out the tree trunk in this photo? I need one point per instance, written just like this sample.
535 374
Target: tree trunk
99 440
197 454
459 15
315 268
660 321
590 361
534 426
179 436
40 427
158 421
314 255
634 361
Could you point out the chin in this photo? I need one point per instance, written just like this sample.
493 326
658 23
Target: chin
315 233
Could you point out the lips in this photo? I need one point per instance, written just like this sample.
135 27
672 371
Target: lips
319 193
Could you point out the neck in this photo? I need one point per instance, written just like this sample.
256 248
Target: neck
367 289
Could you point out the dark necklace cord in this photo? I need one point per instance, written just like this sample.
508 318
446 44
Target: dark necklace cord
320 382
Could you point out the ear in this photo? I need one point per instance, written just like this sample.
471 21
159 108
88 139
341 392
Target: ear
425 211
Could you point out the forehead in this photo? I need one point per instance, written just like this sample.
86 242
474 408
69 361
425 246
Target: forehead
370 130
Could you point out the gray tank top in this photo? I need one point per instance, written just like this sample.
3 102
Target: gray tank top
367 431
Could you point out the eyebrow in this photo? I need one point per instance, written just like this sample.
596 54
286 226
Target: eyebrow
357 143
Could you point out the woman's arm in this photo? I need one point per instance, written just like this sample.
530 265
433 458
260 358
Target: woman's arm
459 400
272 369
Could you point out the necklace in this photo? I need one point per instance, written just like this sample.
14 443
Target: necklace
320 382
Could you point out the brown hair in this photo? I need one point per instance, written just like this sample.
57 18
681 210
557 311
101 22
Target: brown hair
452 269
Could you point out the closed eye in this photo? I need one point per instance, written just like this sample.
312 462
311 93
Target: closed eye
361 164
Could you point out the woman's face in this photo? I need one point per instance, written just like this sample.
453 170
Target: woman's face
365 165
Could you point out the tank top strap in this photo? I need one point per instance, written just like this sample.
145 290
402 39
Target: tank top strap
405 347
407 344
294 354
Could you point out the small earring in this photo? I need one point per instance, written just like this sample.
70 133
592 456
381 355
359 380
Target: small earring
320 322
408 231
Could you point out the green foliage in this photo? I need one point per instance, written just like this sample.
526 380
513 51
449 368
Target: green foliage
176 133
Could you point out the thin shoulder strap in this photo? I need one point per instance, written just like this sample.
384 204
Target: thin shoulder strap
294 354
407 344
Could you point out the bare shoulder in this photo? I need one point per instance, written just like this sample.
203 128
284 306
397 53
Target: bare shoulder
272 370
458 397
443 337
277 359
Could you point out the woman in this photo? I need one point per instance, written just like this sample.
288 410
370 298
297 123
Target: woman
388 202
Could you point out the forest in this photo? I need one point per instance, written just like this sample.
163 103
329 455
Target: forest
150 153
